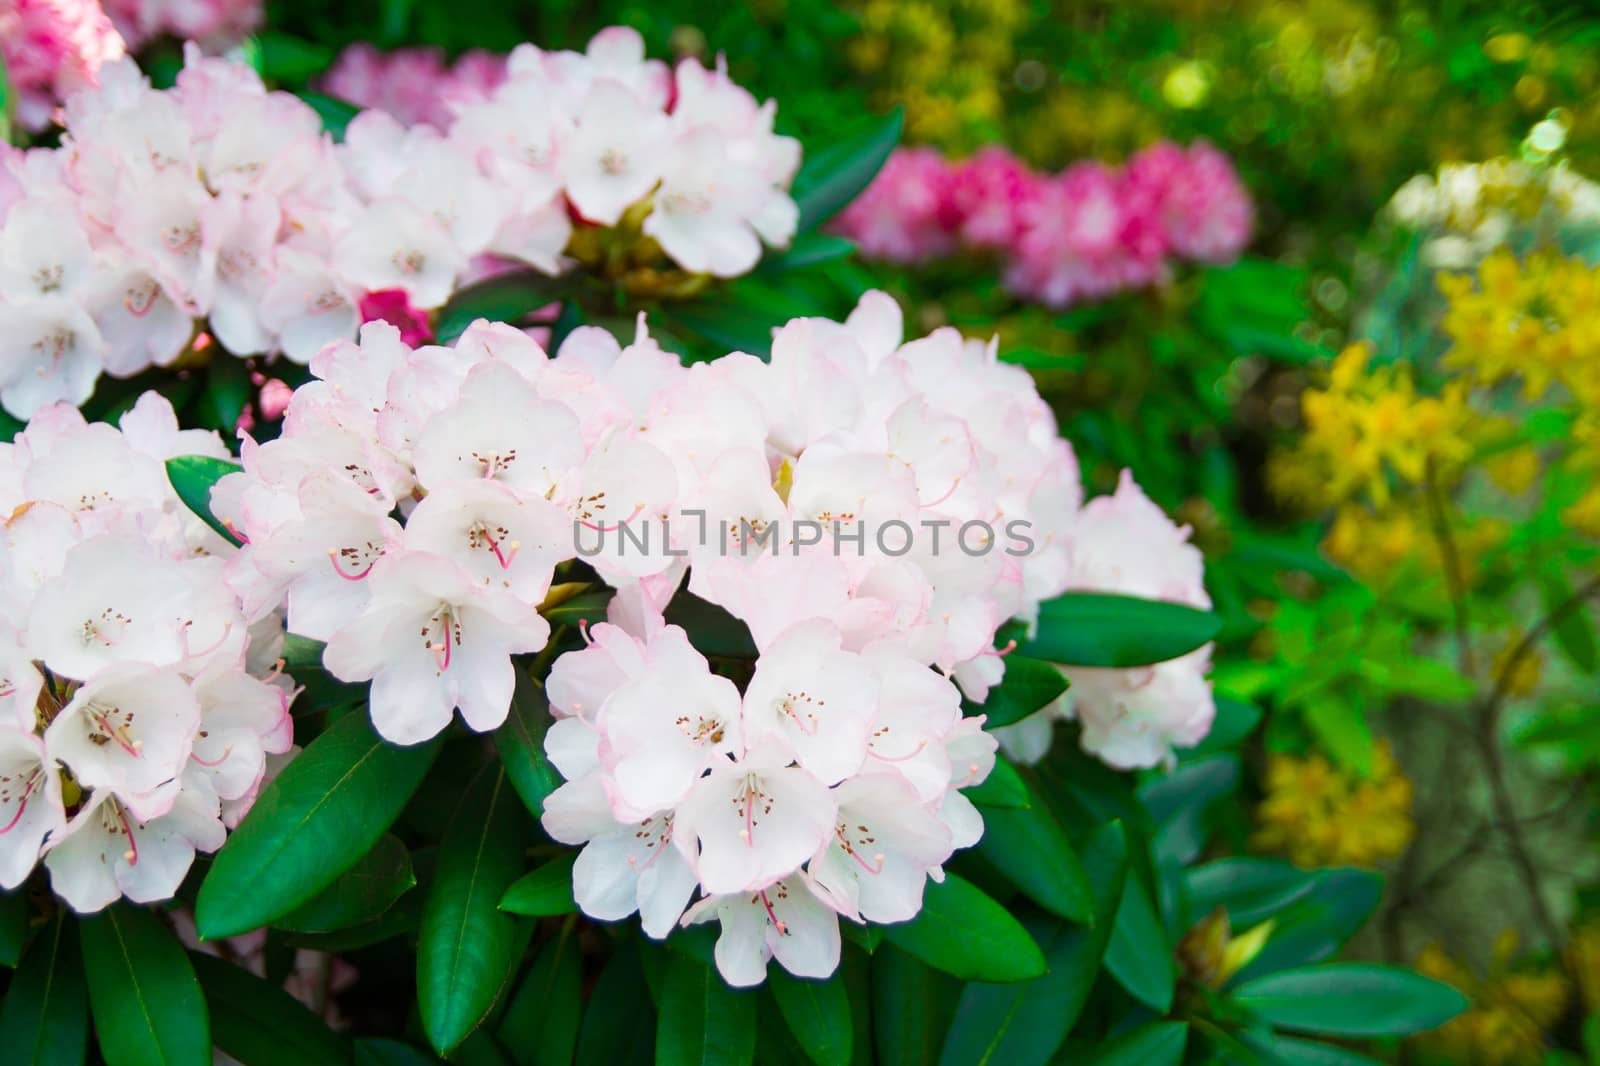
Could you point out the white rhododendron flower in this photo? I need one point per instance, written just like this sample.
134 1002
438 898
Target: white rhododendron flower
135 725
872 511
219 216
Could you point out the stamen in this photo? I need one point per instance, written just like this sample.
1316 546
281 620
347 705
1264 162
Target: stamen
333 559
220 759
783 930
22 803
131 856
912 754
953 486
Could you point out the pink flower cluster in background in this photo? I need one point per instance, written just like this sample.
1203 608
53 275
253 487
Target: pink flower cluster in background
53 48
1083 234
415 85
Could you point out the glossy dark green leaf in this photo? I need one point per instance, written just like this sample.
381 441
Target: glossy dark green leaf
1101 629
966 934
585 607
1029 686
147 1004
818 1015
619 1025
1023 1024
227 391
545 892
807 249
702 1021
311 823
1317 925
376 1051
467 949
1029 846
911 1006
15 930
1138 955
712 630
520 742
192 477
835 174
1250 889
1003 787
505 298
540 1026
362 894
1235 721
44 1019
260 1024
321 691
335 114
1351 1000
1151 1044
1181 804
282 57
1287 1051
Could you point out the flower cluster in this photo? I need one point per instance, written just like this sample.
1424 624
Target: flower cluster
219 201
415 85
1320 814
1083 234
1134 718
137 713
1515 1006
52 48
871 510
215 199
602 158
214 24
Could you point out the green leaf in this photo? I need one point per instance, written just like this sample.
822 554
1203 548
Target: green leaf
302 660
619 1025
44 1020
335 114
14 927
540 1027
834 175
1574 630
968 935
227 391
364 893
1286 1051
467 949
376 1051
818 1015
1029 846
1023 1024
504 298
313 822
1317 925
1029 686
1139 956
1340 727
545 892
147 1004
1101 629
1351 999
1235 721
1003 787
282 57
192 477
911 1003
807 249
1152 1044
259 1023
520 742
703 1022
584 607
712 630
1249 889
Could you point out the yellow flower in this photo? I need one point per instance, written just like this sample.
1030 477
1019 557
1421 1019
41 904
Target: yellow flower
1513 1008
1319 814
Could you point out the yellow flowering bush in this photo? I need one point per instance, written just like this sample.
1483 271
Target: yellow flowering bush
1514 1008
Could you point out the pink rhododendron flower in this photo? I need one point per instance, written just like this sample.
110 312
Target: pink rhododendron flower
53 48
414 85
216 24
392 306
1084 234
